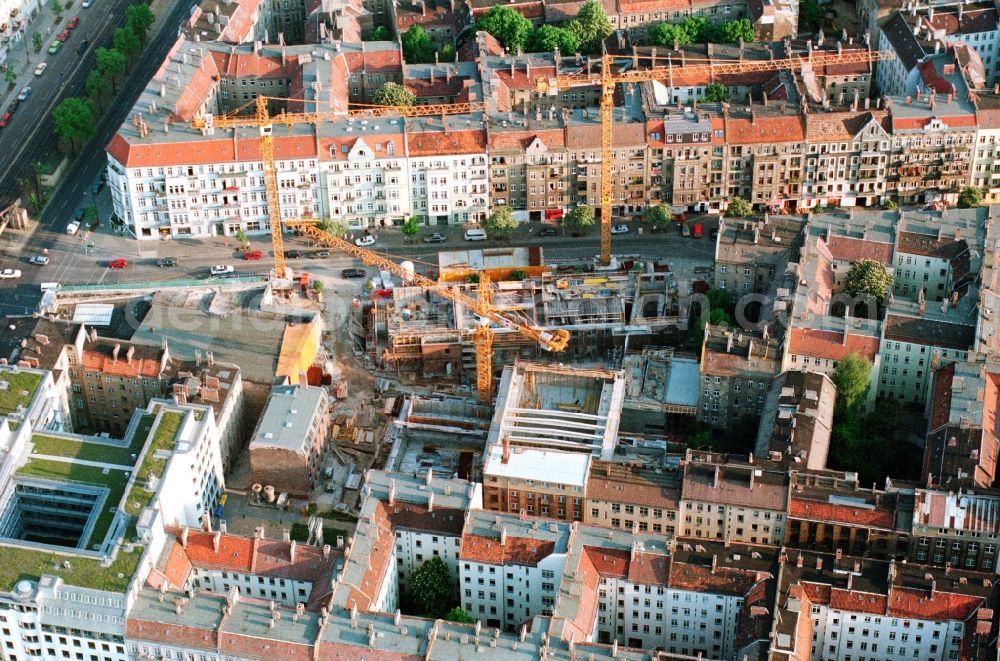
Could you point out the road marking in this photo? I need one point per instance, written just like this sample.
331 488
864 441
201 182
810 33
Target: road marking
103 275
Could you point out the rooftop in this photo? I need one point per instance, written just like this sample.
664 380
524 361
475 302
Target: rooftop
291 412
18 387
538 465
798 419
707 479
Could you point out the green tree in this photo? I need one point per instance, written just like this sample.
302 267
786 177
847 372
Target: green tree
739 208
111 64
417 46
734 31
716 92
10 76
139 19
701 30
719 299
410 228
591 26
318 285
970 198
500 224
126 42
429 588
669 34
57 7
241 236
658 217
867 277
96 86
889 205
74 120
394 94
549 37
331 226
809 16
507 26
852 378
36 42
377 34
447 53
580 219
459 614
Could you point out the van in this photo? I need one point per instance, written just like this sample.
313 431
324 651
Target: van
475 235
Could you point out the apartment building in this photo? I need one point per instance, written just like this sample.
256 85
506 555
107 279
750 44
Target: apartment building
444 21
290 442
958 530
685 159
846 160
985 168
629 497
764 159
744 503
830 511
797 421
749 254
539 482
938 253
839 606
737 370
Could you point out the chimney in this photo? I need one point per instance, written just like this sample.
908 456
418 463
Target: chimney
799 561
850 582
129 354
291 552
206 522
392 491
222 526
840 554
729 343
819 564
430 503
430 476
715 480
505 456
210 357
216 538
114 353
715 562
503 536
184 537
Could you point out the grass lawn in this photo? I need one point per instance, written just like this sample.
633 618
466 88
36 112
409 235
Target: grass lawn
115 481
18 382
83 450
17 564
163 439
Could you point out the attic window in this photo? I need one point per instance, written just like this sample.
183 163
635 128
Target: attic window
656 135
390 147
718 133
670 137
378 146
343 148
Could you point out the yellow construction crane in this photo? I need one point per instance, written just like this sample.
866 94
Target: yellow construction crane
263 120
554 340
608 79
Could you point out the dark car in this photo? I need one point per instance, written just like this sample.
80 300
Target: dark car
292 254
435 238
12 108
353 273
82 48
166 261
548 231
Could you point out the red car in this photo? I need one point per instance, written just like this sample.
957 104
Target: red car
73 22
253 255
63 36
117 264
4 120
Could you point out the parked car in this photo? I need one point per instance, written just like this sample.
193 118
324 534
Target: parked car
619 229
548 231
73 22
435 238
475 235
73 227
40 69
64 35
166 261
14 105
54 48
292 254
25 93
714 234
222 269
39 260
353 273
4 120
118 264
321 253
364 241
86 3
82 48
253 255
98 186
697 231
9 274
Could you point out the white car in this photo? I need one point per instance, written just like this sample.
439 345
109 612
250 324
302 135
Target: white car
23 96
39 260
365 241
619 229
9 274
86 3
73 227
222 269
40 69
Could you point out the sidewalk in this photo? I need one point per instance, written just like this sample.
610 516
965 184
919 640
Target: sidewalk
22 56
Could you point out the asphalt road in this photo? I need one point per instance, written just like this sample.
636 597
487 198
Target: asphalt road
30 135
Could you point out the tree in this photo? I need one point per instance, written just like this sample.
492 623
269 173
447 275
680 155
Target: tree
331 226
241 236
719 299
500 224
318 285
459 614
735 31
716 93
447 53
867 277
377 34
669 35
394 94
852 378
10 76
591 26
970 198
96 85
36 42
809 16
127 42
139 19
658 217
429 588
739 208
549 37
507 26
417 46
74 120
579 219
111 64
889 205
410 228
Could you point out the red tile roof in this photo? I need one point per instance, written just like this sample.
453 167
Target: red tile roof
919 604
439 143
416 517
850 249
689 576
523 80
610 563
177 635
95 361
517 550
830 345
941 402
500 139
766 130
177 568
235 553
649 569
951 121
858 602
828 512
